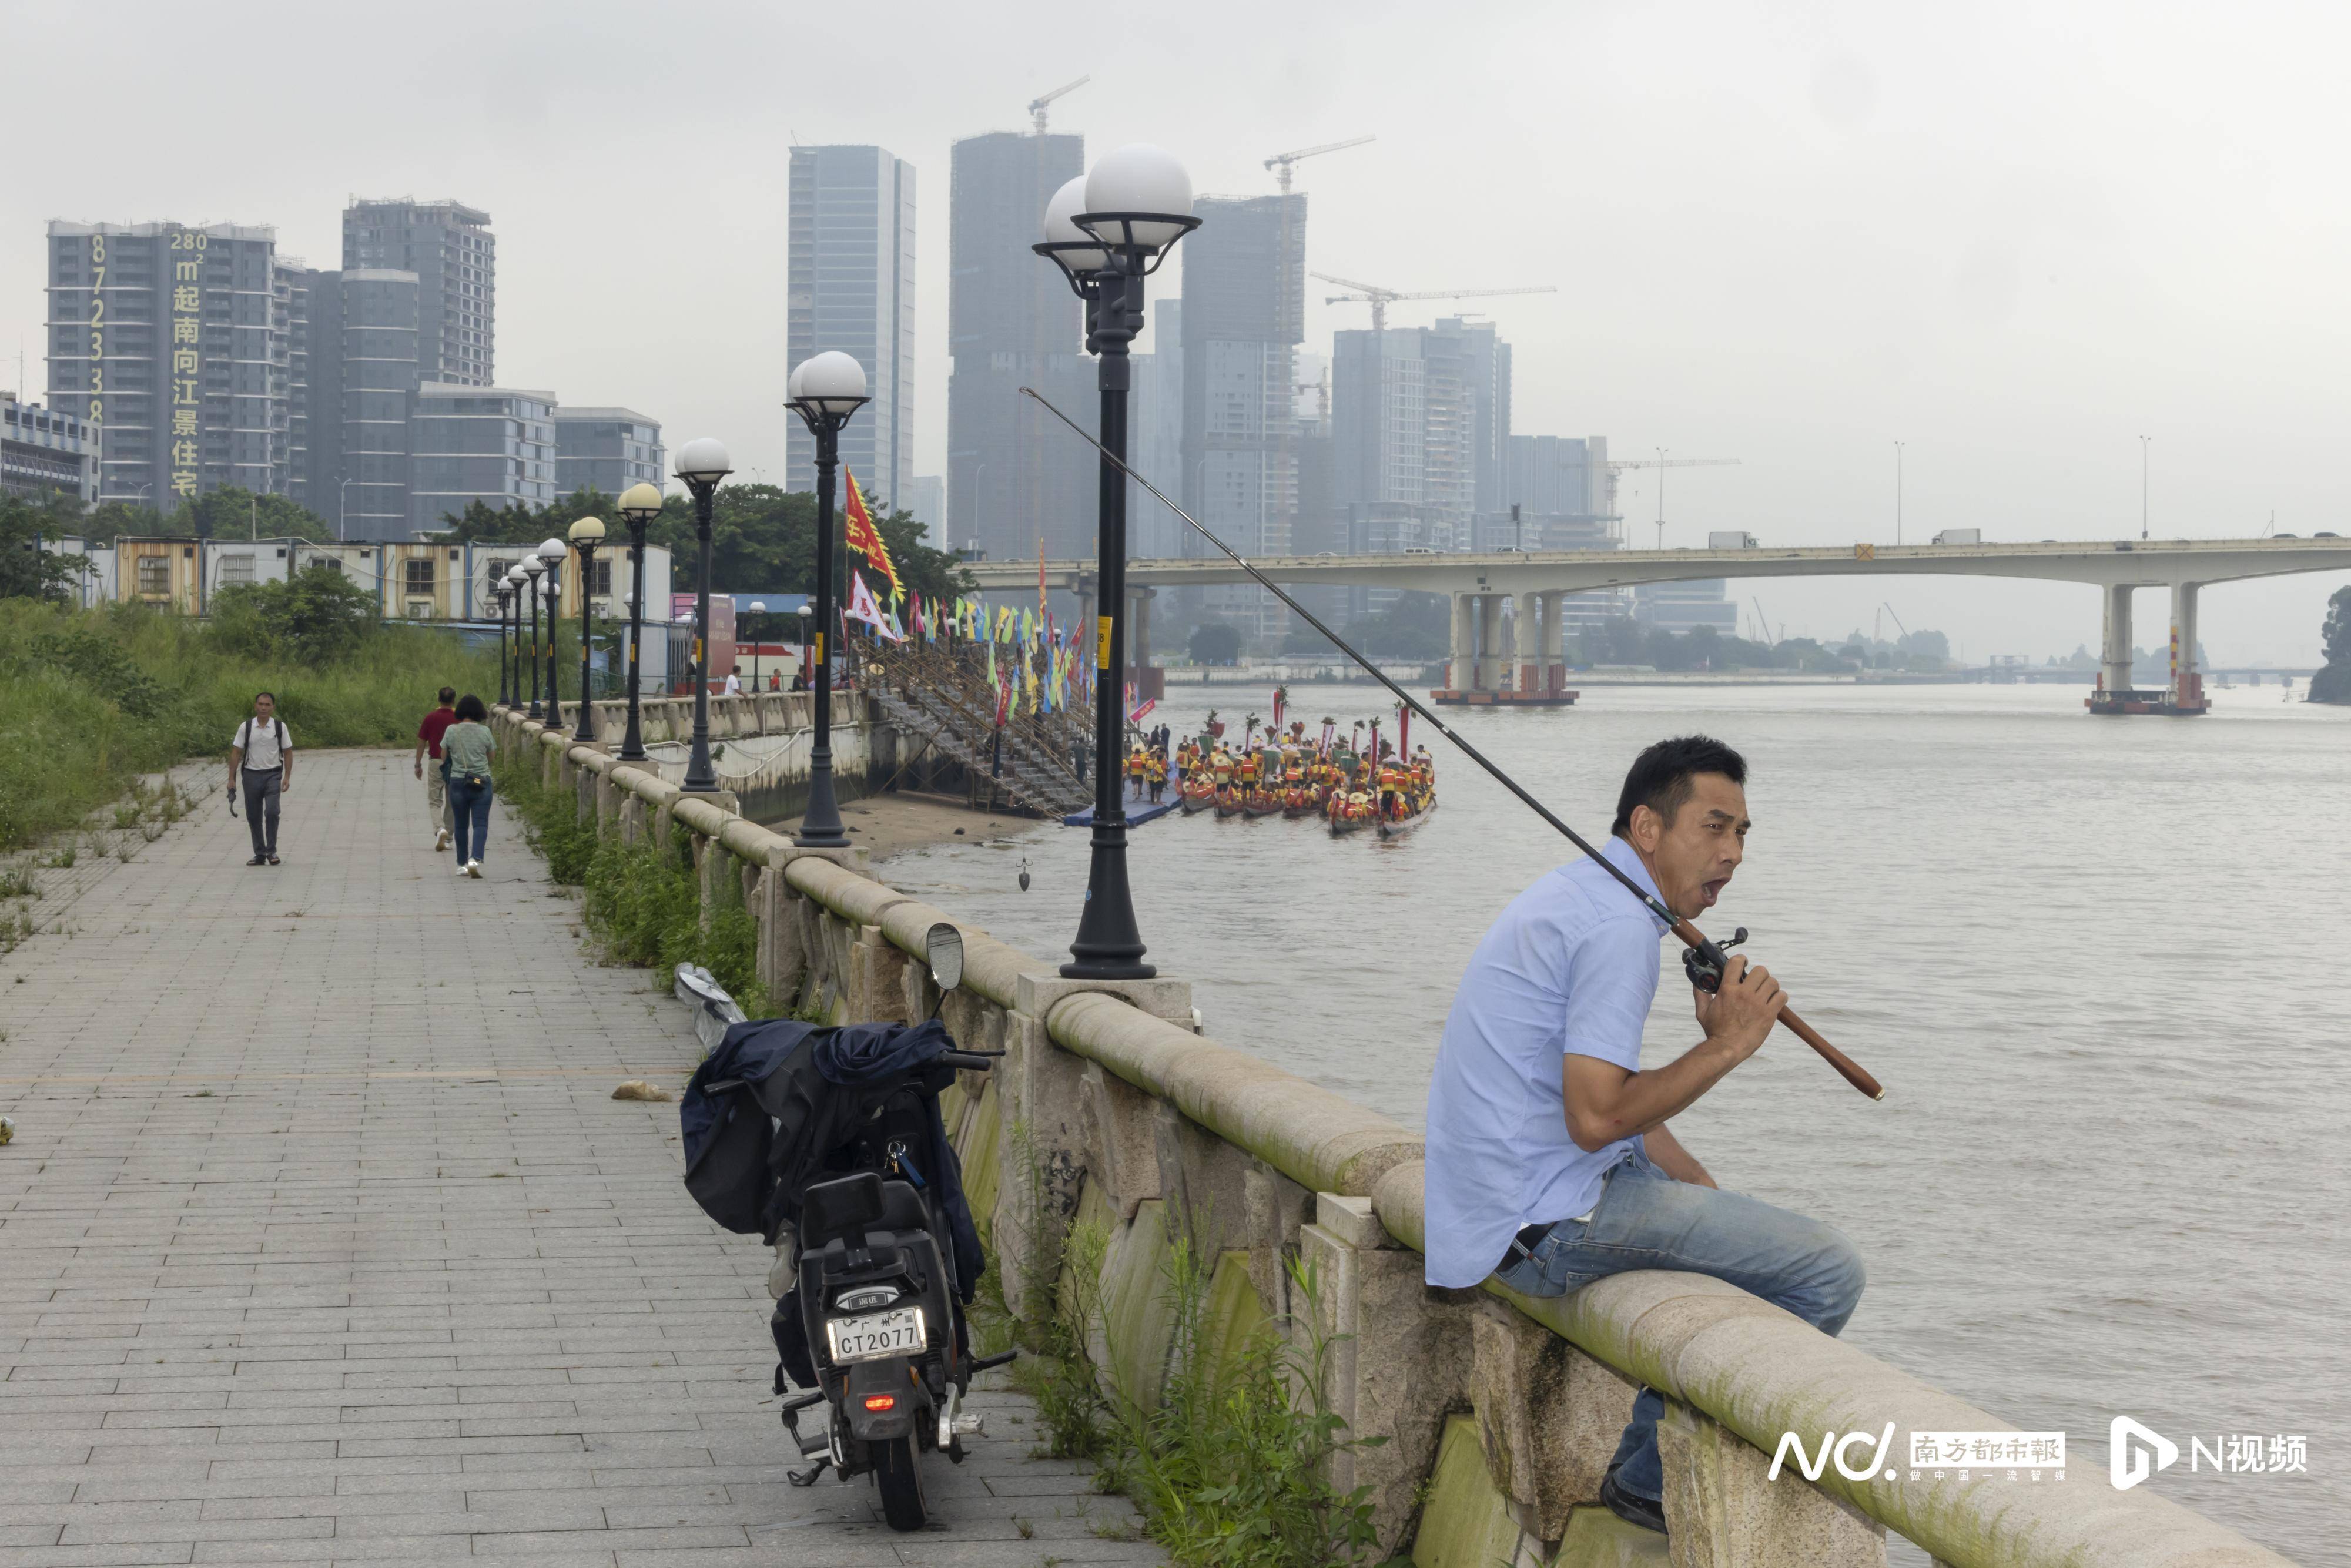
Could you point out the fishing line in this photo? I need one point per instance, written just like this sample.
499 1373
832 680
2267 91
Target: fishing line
1708 958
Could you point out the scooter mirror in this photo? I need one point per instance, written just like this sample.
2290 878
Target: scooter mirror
944 943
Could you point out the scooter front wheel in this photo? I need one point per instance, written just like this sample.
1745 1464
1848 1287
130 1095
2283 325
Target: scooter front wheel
898 1474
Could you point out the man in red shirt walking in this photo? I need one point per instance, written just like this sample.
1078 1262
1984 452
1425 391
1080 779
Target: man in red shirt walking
436 782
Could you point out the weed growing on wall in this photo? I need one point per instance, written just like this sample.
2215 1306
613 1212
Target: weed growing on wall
1230 1464
645 904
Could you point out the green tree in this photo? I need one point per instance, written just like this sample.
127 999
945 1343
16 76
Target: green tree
1215 642
762 538
119 519
2333 682
27 570
318 616
233 512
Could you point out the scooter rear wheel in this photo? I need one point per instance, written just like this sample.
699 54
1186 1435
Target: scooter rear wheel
898 1474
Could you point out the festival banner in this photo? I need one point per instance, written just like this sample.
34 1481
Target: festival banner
861 607
864 538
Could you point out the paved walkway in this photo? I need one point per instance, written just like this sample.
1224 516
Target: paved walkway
321 1240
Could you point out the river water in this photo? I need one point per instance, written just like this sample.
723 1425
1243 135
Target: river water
2097 962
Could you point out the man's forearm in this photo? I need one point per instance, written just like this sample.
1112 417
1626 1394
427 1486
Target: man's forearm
1648 1099
1666 1152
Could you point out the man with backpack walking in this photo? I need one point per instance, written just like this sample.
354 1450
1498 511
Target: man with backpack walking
428 737
261 764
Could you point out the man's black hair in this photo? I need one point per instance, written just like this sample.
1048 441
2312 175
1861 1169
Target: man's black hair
271 695
470 709
1661 777
448 696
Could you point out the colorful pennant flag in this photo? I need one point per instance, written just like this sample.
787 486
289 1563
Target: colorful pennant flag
864 538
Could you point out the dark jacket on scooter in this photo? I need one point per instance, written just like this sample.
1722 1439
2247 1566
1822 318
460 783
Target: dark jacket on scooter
765 1109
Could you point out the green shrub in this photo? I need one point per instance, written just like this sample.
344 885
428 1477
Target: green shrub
92 698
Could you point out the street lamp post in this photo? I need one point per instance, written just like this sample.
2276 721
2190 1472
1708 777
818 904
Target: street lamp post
517 582
640 504
503 595
806 681
551 551
1107 232
586 534
824 390
758 607
532 566
702 464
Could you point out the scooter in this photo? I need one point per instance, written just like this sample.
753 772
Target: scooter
885 1331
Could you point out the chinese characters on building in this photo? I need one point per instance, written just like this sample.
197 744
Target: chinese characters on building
187 362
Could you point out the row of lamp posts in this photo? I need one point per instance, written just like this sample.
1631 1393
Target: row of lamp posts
1107 231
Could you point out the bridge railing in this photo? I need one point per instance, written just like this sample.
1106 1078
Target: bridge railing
1499 1412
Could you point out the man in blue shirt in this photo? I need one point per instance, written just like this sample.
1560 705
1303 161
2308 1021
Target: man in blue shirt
1550 1163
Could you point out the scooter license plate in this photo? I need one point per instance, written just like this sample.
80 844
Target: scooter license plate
894 1333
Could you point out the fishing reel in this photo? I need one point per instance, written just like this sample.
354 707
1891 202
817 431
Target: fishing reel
1705 963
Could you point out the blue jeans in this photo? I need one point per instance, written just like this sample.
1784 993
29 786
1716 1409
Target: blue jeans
1645 1219
469 808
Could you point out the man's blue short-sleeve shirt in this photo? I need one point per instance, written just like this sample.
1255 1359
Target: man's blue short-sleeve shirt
1570 968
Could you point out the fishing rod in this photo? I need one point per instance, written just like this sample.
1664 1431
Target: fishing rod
1705 961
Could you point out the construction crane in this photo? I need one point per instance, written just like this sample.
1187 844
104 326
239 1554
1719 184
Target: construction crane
1037 105
1280 162
1662 462
1762 625
1381 298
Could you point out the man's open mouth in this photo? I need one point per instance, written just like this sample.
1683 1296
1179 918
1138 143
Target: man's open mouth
1713 890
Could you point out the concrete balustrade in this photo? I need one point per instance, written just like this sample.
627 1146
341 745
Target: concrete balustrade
1498 1413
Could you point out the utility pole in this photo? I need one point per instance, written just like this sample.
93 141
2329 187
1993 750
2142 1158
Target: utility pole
1898 490
1661 497
2142 486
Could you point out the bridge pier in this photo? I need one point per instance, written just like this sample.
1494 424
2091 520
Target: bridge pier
2186 693
1149 682
1480 672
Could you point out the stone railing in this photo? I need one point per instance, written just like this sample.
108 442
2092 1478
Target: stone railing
865 751
1498 1412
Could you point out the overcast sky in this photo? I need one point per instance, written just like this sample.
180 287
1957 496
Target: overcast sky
2015 236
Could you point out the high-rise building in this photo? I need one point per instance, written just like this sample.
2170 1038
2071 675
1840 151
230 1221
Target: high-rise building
1244 305
492 444
161 339
1155 439
1564 492
1014 475
46 452
606 449
851 287
450 248
1473 354
1685 606
290 347
375 316
926 499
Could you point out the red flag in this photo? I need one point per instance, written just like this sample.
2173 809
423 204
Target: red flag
865 538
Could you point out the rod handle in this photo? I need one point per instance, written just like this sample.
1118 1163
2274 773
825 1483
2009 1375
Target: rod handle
1850 1070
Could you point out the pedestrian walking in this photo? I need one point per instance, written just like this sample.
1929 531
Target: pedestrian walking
466 745
436 779
261 764
734 684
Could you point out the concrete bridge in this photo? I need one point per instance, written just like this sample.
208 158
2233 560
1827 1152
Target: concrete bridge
1539 580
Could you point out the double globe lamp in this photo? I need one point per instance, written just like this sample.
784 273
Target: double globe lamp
640 504
824 390
1107 231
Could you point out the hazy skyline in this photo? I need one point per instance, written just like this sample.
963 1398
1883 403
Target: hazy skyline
2016 241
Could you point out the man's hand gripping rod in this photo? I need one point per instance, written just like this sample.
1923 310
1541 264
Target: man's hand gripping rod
1705 961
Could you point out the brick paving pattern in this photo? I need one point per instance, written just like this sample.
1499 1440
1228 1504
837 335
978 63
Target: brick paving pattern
322 1241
